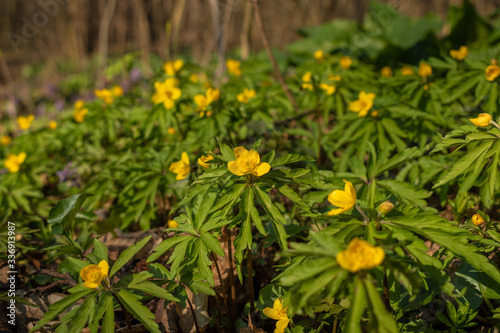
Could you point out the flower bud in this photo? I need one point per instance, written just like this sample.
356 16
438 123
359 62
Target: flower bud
477 219
482 120
172 224
386 207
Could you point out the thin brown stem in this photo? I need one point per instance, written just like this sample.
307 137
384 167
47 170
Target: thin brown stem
224 297
258 21
194 316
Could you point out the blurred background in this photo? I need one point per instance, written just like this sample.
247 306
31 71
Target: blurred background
42 38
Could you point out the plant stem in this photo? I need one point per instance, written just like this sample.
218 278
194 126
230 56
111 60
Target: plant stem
224 297
258 20
250 286
194 316
232 316
363 214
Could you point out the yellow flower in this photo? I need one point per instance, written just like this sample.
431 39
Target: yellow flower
5 140
79 115
79 104
460 54
363 104
477 219
105 94
374 113
386 72
360 255
307 79
194 78
117 91
172 67
482 120
171 130
233 67
385 207
345 62
318 55
213 94
492 72
334 77
25 122
53 125
246 95
92 275
13 162
166 93
202 101
330 90
278 313
181 168
406 71
344 199
248 162
424 70
204 159
172 224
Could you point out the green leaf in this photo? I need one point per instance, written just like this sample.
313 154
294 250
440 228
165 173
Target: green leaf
290 158
166 245
462 165
357 308
231 195
82 314
212 244
405 192
154 290
65 211
58 307
126 255
227 152
102 307
276 217
385 321
139 311
463 88
100 250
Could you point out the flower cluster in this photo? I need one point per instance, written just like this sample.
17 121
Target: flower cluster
203 101
25 122
80 111
233 67
246 96
108 96
172 67
13 162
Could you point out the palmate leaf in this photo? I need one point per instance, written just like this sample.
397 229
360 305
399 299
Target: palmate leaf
290 158
82 314
154 290
139 311
103 306
166 245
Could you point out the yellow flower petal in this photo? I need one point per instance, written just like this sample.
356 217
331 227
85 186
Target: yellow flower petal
104 266
233 167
